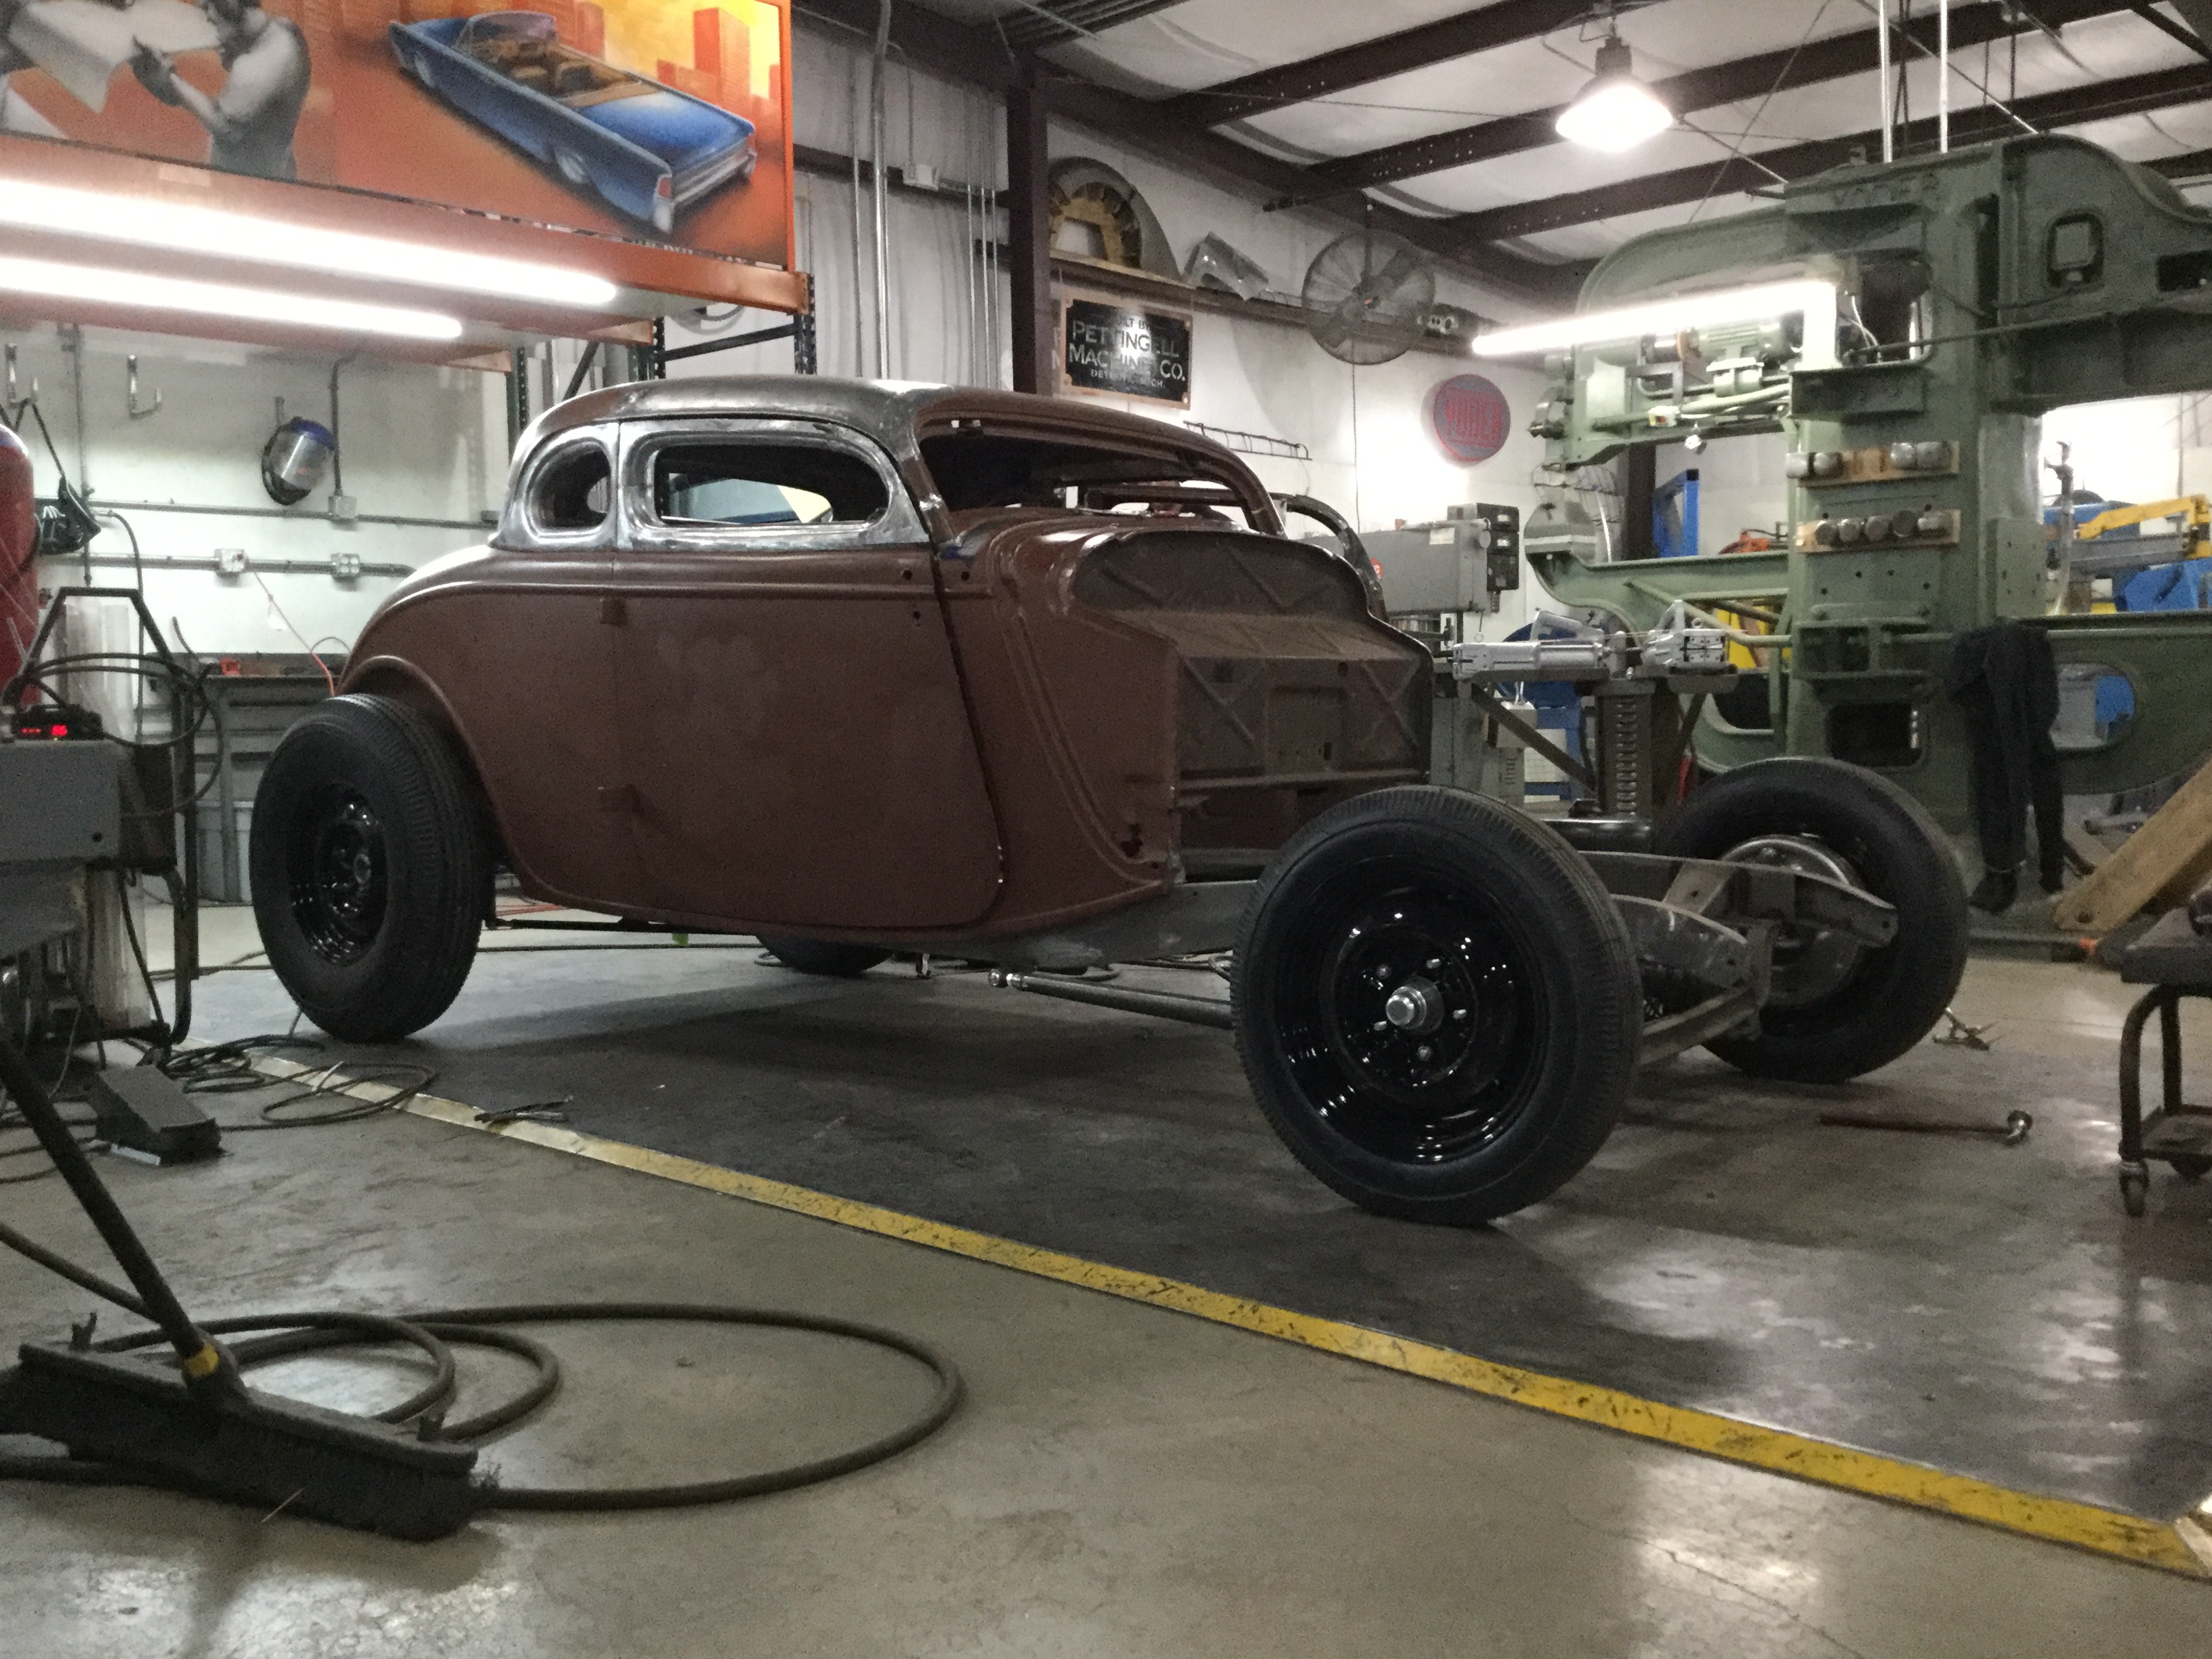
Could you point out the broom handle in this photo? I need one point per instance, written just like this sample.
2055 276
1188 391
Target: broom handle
204 1365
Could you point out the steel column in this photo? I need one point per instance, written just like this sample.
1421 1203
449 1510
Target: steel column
1029 234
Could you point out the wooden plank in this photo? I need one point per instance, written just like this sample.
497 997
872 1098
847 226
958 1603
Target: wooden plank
2158 867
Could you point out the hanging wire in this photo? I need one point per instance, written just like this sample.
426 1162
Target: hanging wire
1720 172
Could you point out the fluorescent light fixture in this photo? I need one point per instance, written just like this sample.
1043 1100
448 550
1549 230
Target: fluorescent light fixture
1616 111
93 284
1817 300
185 229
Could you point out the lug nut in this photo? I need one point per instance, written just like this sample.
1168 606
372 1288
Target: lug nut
1459 1013
1931 454
1904 523
1383 973
1826 463
1797 464
1849 530
1434 963
1904 457
1425 1053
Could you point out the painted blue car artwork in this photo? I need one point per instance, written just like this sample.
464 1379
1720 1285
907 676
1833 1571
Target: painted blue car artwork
645 149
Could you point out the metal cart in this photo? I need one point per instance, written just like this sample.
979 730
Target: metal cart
2176 961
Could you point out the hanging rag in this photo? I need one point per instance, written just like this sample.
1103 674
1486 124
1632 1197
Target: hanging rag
2005 681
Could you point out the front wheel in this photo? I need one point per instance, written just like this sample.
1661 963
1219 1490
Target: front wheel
1436 1005
1835 1010
371 868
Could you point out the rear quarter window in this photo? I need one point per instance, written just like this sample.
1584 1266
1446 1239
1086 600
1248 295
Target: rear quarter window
763 484
571 492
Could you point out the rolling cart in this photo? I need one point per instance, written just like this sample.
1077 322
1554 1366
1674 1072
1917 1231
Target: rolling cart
2176 961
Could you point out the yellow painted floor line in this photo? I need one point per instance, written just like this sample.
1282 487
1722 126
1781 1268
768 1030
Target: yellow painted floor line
2182 1547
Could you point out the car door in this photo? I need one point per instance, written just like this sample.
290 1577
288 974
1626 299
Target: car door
800 746
521 655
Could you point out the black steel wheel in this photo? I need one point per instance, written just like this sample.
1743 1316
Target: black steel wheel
371 868
822 958
1436 1005
337 871
1836 1010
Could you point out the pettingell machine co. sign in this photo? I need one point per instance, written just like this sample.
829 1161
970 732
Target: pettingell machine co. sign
1122 351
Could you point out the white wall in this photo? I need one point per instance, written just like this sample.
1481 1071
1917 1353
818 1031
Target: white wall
419 443
1365 430
1741 485
2142 449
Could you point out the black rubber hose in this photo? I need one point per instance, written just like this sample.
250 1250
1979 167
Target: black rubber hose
432 1335
431 1331
943 1402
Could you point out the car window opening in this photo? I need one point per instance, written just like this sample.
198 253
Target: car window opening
979 472
525 48
573 490
764 484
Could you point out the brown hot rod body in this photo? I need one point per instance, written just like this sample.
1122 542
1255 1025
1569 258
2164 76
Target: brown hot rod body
975 712
862 668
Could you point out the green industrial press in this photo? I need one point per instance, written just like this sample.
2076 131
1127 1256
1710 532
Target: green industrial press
1956 299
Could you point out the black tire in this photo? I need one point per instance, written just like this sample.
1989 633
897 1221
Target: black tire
1883 1001
1439 1121
371 867
820 958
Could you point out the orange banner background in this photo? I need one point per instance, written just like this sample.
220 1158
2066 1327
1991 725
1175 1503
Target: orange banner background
366 125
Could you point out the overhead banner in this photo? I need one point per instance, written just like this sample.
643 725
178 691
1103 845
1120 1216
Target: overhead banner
655 120
1123 350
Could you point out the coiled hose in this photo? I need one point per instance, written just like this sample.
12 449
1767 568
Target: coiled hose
433 1333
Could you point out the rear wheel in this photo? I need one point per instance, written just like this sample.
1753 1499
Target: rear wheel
371 868
1436 1005
1836 1010
822 958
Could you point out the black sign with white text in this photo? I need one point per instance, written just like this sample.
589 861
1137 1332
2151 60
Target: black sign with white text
1117 348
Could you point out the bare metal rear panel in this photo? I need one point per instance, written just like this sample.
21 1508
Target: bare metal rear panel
1285 678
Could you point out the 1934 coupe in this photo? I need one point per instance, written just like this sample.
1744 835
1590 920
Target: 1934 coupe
863 669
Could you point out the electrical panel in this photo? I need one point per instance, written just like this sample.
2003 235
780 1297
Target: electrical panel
60 802
1460 563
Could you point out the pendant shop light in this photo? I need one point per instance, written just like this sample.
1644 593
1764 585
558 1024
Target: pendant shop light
1616 111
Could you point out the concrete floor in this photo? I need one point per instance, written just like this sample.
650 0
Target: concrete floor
1987 1310
1122 1480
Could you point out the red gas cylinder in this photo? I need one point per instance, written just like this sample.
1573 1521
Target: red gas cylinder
19 575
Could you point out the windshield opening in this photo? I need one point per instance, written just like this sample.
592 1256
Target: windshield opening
979 471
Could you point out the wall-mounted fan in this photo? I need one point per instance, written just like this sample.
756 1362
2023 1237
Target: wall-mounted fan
1368 297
